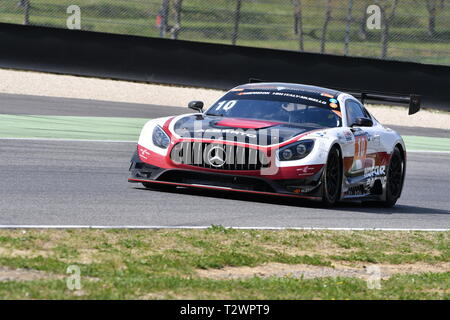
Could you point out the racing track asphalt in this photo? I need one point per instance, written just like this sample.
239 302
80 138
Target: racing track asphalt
39 105
85 183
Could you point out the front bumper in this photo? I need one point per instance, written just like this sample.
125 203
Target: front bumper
308 188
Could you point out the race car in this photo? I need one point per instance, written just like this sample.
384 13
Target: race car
280 139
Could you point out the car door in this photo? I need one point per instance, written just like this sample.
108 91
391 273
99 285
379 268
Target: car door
363 137
377 154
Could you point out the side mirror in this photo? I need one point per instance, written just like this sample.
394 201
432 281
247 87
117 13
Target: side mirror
363 122
196 105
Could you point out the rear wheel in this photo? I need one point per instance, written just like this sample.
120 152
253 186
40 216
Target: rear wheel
332 178
158 186
394 183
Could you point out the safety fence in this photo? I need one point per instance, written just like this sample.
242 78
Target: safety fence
406 30
210 65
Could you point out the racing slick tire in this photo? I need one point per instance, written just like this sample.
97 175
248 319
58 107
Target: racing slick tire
394 181
331 179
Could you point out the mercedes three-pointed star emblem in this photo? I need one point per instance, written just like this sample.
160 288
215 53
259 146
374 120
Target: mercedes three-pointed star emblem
216 156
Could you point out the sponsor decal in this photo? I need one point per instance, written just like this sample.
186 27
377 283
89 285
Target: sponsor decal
374 138
326 95
298 96
342 138
284 87
333 105
360 133
283 94
228 131
144 153
375 171
360 151
246 93
348 136
307 170
333 100
259 87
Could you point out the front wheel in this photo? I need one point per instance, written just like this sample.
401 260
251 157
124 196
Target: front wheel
394 183
332 178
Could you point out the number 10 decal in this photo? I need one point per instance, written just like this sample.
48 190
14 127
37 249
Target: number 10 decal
359 157
360 147
226 105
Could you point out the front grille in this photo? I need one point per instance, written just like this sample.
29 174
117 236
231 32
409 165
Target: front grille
219 156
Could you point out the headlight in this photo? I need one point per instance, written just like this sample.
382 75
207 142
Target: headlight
296 151
160 138
287 154
301 149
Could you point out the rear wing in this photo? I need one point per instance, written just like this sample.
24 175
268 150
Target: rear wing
413 100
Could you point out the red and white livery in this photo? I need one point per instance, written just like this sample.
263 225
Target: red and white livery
275 138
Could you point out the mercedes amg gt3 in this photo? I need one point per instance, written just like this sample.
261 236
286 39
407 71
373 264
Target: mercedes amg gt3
281 139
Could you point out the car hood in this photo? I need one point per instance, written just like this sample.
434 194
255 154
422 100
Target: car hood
260 132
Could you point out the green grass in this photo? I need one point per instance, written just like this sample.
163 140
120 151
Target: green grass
426 143
68 127
126 129
264 23
426 286
155 264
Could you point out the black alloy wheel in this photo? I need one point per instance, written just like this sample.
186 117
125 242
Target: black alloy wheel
394 183
332 178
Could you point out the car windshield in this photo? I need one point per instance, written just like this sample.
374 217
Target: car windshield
292 108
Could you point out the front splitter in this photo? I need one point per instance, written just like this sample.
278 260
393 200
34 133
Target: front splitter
201 186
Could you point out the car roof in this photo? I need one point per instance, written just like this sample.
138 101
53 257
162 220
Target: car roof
293 87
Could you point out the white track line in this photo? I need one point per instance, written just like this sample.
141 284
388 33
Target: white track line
206 227
426 151
69 140
128 141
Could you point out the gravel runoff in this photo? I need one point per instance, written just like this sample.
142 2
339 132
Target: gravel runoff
65 86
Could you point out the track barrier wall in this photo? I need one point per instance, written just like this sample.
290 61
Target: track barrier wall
209 65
